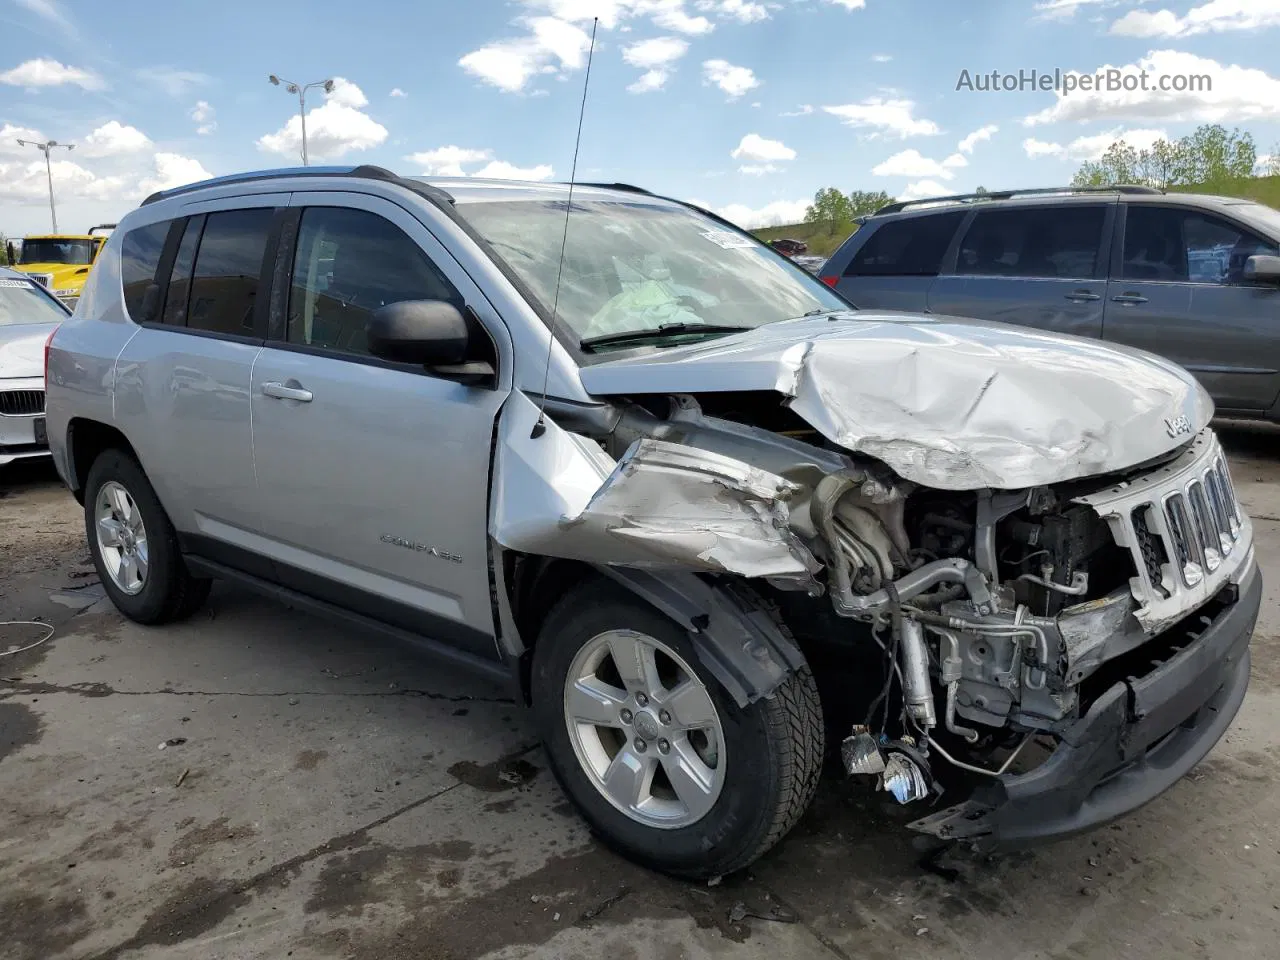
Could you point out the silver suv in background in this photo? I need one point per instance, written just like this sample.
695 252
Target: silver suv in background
699 513
1192 278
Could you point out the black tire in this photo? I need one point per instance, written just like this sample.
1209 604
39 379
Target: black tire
774 747
169 591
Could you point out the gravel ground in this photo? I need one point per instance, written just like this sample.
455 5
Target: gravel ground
261 783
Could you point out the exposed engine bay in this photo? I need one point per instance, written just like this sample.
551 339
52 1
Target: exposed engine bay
992 610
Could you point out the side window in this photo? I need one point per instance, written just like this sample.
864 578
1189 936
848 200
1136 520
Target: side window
224 285
175 299
906 248
1046 242
348 263
139 258
1164 243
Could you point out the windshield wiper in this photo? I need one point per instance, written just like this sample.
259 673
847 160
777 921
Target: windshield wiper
658 333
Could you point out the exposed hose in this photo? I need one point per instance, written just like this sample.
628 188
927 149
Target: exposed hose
951 570
982 770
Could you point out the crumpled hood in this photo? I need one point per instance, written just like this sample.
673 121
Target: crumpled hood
953 404
22 349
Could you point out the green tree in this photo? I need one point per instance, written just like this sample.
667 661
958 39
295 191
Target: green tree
4 250
1161 164
1117 165
1271 165
1210 156
830 208
863 202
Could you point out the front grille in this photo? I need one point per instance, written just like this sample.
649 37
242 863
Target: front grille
1184 528
21 403
44 279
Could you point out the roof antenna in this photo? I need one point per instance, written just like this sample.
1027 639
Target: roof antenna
540 427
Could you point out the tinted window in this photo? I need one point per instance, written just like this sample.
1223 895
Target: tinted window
906 248
139 257
1034 242
228 269
349 263
175 300
1164 243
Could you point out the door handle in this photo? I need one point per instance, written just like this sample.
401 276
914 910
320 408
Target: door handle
1129 298
1082 296
283 391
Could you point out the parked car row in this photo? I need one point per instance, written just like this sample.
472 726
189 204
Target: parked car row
28 314
1193 278
696 511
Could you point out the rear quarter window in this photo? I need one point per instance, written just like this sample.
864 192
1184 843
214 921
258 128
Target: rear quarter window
906 248
139 258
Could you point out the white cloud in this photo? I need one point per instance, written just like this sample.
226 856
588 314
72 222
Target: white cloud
772 214
333 129
1238 94
176 83
397 92
982 133
1216 16
849 4
25 182
449 162
885 117
112 138
649 81
734 81
803 111
758 169
501 170
911 163
202 113
754 147
922 190
670 15
881 57
656 52
48 9
1093 146
956 160
1066 9
10 134
744 11
174 170
510 64
44 72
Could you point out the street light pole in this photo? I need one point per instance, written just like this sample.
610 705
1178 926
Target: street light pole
45 148
301 90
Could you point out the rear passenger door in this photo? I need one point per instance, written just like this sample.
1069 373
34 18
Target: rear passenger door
374 476
182 382
1178 289
895 266
1036 266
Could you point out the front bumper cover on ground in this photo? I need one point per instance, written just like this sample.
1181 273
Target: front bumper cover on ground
1137 740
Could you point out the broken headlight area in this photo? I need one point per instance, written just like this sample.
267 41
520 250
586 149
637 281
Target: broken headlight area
981 616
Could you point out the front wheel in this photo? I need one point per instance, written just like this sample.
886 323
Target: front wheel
662 762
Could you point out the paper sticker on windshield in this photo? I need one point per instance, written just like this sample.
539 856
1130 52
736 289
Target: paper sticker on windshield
5 282
728 240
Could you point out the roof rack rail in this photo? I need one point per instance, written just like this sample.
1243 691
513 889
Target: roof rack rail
627 187
1120 188
366 171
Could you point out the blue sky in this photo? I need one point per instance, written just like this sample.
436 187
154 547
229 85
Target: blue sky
747 106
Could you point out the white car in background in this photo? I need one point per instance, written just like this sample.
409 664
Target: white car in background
28 315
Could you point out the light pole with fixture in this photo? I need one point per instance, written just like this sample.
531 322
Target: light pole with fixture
301 90
45 148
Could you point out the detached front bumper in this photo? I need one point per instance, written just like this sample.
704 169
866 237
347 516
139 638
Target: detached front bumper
1140 736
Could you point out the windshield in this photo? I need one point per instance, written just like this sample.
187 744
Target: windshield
635 266
21 302
75 252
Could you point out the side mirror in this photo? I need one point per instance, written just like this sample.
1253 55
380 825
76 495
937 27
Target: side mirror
432 334
1261 268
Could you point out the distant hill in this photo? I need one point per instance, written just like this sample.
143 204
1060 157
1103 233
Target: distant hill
821 244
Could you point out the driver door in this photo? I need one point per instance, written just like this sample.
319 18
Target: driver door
373 476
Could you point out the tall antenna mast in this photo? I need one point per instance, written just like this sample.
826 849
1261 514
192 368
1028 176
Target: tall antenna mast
540 427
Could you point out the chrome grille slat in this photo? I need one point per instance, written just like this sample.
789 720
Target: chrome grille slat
21 403
1206 529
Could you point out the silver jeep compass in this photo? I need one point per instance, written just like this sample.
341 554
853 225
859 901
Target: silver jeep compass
708 519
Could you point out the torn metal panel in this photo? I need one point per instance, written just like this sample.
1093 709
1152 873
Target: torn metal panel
953 404
663 505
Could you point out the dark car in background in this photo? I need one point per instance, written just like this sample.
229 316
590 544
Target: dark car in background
1194 278
788 247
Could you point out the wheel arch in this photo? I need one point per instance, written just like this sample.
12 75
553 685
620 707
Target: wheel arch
738 636
86 440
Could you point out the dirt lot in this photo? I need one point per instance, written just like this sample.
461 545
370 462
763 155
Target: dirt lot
261 783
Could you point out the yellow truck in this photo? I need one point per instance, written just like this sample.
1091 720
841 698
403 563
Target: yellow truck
60 262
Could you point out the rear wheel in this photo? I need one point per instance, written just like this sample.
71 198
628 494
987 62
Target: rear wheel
134 546
662 762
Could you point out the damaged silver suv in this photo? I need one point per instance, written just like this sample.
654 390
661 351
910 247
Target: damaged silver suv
709 520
